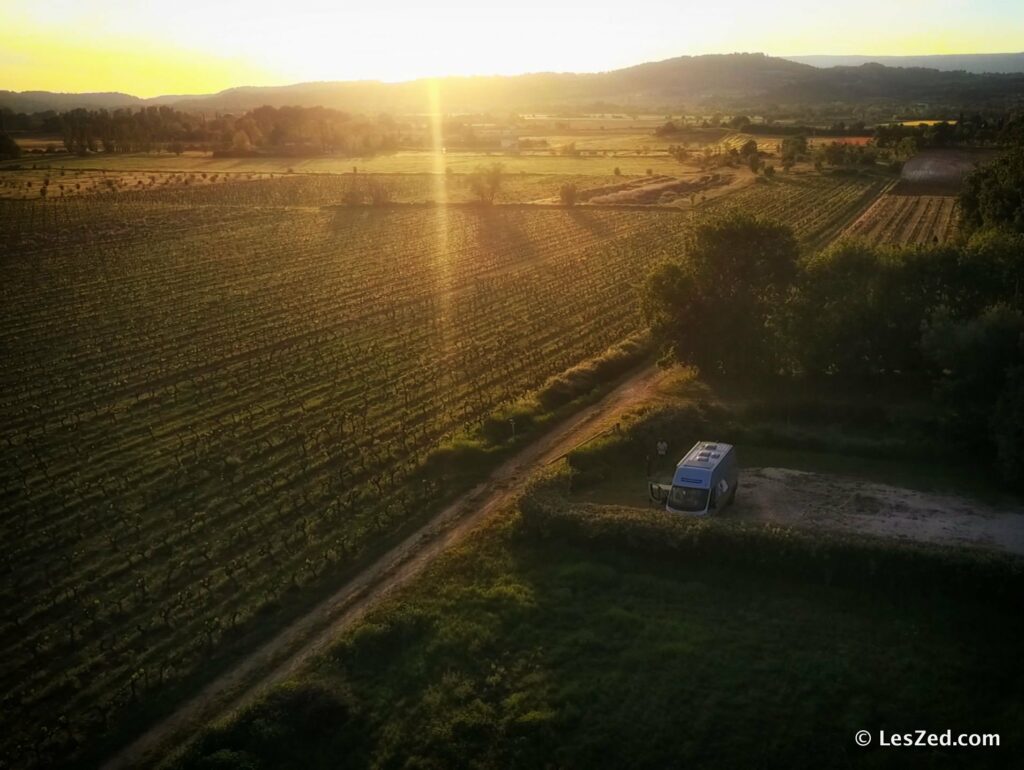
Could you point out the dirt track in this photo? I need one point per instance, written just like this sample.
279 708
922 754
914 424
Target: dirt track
279 658
818 500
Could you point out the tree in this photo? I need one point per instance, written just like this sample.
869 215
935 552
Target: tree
679 152
485 182
568 193
991 195
240 141
8 147
835 153
1007 426
717 306
176 147
981 380
907 148
792 149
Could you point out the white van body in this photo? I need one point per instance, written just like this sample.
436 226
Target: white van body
705 479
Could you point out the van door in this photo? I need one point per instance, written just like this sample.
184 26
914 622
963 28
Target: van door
658 492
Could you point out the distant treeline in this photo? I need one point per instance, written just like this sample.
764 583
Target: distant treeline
992 130
970 130
291 130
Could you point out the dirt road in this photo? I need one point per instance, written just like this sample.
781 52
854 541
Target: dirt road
807 499
279 658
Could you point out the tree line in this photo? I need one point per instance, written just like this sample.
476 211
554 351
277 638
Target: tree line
284 130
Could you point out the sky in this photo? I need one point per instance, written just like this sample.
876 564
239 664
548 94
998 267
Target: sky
201 46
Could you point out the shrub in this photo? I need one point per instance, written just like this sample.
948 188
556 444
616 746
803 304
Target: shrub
581 379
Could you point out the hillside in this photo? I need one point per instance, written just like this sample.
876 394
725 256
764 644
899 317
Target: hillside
971 62
721 80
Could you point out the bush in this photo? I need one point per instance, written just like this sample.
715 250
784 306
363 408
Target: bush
582 379
8 147
294 725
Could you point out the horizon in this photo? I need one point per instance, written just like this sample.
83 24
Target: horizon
148 51
245 85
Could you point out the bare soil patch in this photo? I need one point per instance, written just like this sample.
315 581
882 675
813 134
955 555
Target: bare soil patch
804 499
938 172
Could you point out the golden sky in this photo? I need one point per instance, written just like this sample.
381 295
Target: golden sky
185 46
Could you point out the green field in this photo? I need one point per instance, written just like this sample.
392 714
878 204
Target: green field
210 413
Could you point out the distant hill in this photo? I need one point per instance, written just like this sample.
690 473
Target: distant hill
969 62
741 80
41 101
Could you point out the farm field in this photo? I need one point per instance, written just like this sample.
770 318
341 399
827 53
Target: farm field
907 220
940 172
251 382
208 415
402 162
185 187
64 183
817 207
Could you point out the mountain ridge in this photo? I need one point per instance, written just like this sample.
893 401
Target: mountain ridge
736 79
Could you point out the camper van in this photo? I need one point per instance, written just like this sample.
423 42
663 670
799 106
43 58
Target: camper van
704 481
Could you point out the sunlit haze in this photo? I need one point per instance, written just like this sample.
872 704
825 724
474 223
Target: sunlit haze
149 48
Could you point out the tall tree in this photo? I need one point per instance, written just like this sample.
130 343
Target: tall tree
717 306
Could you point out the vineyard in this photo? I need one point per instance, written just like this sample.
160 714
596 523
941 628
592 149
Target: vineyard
210 412
219 397
63 183
816 207
253 188
907 220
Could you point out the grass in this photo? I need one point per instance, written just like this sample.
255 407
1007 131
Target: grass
519 651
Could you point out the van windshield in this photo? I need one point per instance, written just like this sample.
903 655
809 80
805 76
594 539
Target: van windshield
688 499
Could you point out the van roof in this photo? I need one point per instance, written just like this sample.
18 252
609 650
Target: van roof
705 455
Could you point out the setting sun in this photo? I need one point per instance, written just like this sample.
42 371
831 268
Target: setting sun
71 46
473 385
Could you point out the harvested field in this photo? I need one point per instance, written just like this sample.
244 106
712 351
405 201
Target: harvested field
938 172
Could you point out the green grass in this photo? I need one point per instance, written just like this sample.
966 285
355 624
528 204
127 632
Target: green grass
524 652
